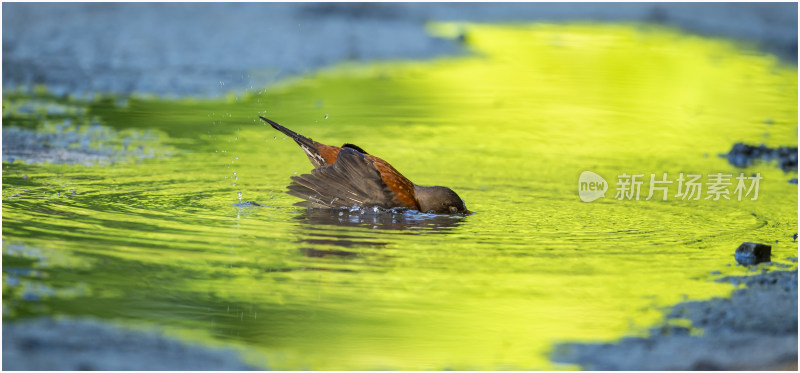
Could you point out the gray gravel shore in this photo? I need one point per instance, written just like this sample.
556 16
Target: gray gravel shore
207 49
755 329
85 344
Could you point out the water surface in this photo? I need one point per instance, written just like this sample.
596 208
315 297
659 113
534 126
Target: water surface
156 242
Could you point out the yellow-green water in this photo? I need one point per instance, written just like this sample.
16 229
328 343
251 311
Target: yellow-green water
155 242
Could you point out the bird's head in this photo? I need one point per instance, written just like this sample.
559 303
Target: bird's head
439 200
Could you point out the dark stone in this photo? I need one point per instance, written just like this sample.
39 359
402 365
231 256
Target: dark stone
750 253
743 155
793 181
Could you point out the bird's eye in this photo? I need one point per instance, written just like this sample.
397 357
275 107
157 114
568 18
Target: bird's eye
453 209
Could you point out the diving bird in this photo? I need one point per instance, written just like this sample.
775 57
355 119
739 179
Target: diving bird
348 176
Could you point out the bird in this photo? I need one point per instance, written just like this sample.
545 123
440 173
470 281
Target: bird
347 176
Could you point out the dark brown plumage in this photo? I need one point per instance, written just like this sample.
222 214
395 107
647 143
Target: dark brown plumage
346 176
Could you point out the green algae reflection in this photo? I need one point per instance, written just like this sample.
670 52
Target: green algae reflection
155 242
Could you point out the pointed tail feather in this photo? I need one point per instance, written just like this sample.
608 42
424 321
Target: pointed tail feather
300 139
311 147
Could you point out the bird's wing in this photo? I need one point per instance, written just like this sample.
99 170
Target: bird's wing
403 190
352 180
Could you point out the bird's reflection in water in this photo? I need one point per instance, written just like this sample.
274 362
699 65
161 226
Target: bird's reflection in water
318 243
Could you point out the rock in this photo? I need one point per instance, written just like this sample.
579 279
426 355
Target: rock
743 155
749 253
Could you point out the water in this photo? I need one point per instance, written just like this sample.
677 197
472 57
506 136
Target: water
155 241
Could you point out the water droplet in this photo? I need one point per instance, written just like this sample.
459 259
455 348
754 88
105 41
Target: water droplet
234 172
240 196
236 138
237 158
326 116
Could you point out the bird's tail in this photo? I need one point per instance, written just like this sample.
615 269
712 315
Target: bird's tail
298 138
311 147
